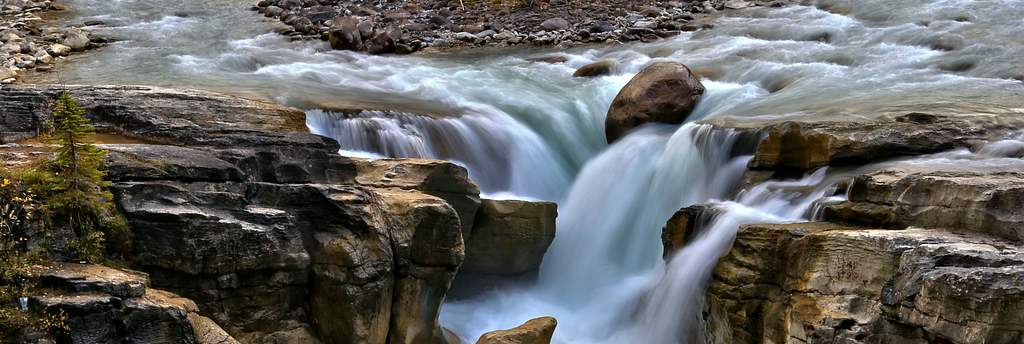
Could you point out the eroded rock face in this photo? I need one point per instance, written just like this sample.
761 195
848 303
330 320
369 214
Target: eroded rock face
969 202
106 305
510 237
800 146
664 92
276 240
156 114
507 246
535 331
827 283
434 177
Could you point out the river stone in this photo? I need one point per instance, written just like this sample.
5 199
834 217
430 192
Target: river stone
595 69
380 43
441 21
57 50
273 12
365 28
601 26
7 73
554 24
77 40
535 331
344 34
664 92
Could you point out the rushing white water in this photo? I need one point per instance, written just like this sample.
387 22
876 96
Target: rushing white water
531 130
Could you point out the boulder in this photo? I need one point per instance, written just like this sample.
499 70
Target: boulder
684 226
344 34
77 40
382 41
509 237
800 146
969 202
57 50
7 73
554 24
595 69
506 247
535 331
826 283
664 92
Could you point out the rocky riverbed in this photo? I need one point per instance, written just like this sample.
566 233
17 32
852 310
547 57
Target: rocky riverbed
30 41
409 26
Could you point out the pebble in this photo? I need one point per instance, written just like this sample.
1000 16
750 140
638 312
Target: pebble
27 42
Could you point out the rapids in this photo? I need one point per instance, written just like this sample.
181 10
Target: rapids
531 130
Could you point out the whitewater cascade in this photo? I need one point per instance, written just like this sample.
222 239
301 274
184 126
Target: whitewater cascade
530 130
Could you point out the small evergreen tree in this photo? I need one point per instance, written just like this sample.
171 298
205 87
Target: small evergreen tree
76 191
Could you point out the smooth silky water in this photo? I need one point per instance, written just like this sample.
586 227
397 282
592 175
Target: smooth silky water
531 130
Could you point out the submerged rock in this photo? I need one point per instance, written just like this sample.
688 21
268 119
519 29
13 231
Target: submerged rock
535 331
664 92
595 69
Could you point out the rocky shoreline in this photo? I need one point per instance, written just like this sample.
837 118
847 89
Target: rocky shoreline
30 42
427 25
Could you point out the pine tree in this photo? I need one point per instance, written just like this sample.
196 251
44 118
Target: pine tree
78 179
76 190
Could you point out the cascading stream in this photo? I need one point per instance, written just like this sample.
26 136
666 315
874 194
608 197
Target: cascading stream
531 130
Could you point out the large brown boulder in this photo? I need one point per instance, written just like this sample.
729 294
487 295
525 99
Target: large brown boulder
510 237
664 92
535 331
344 34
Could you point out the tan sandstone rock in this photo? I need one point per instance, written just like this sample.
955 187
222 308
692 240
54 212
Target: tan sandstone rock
535 331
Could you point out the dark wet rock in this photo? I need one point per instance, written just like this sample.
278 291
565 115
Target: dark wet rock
362 11
664 92
344 34
441 21
601 26
595 69
684 226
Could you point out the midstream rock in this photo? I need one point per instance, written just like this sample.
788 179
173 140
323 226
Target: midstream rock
664 92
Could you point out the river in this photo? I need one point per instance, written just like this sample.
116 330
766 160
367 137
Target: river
530 130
